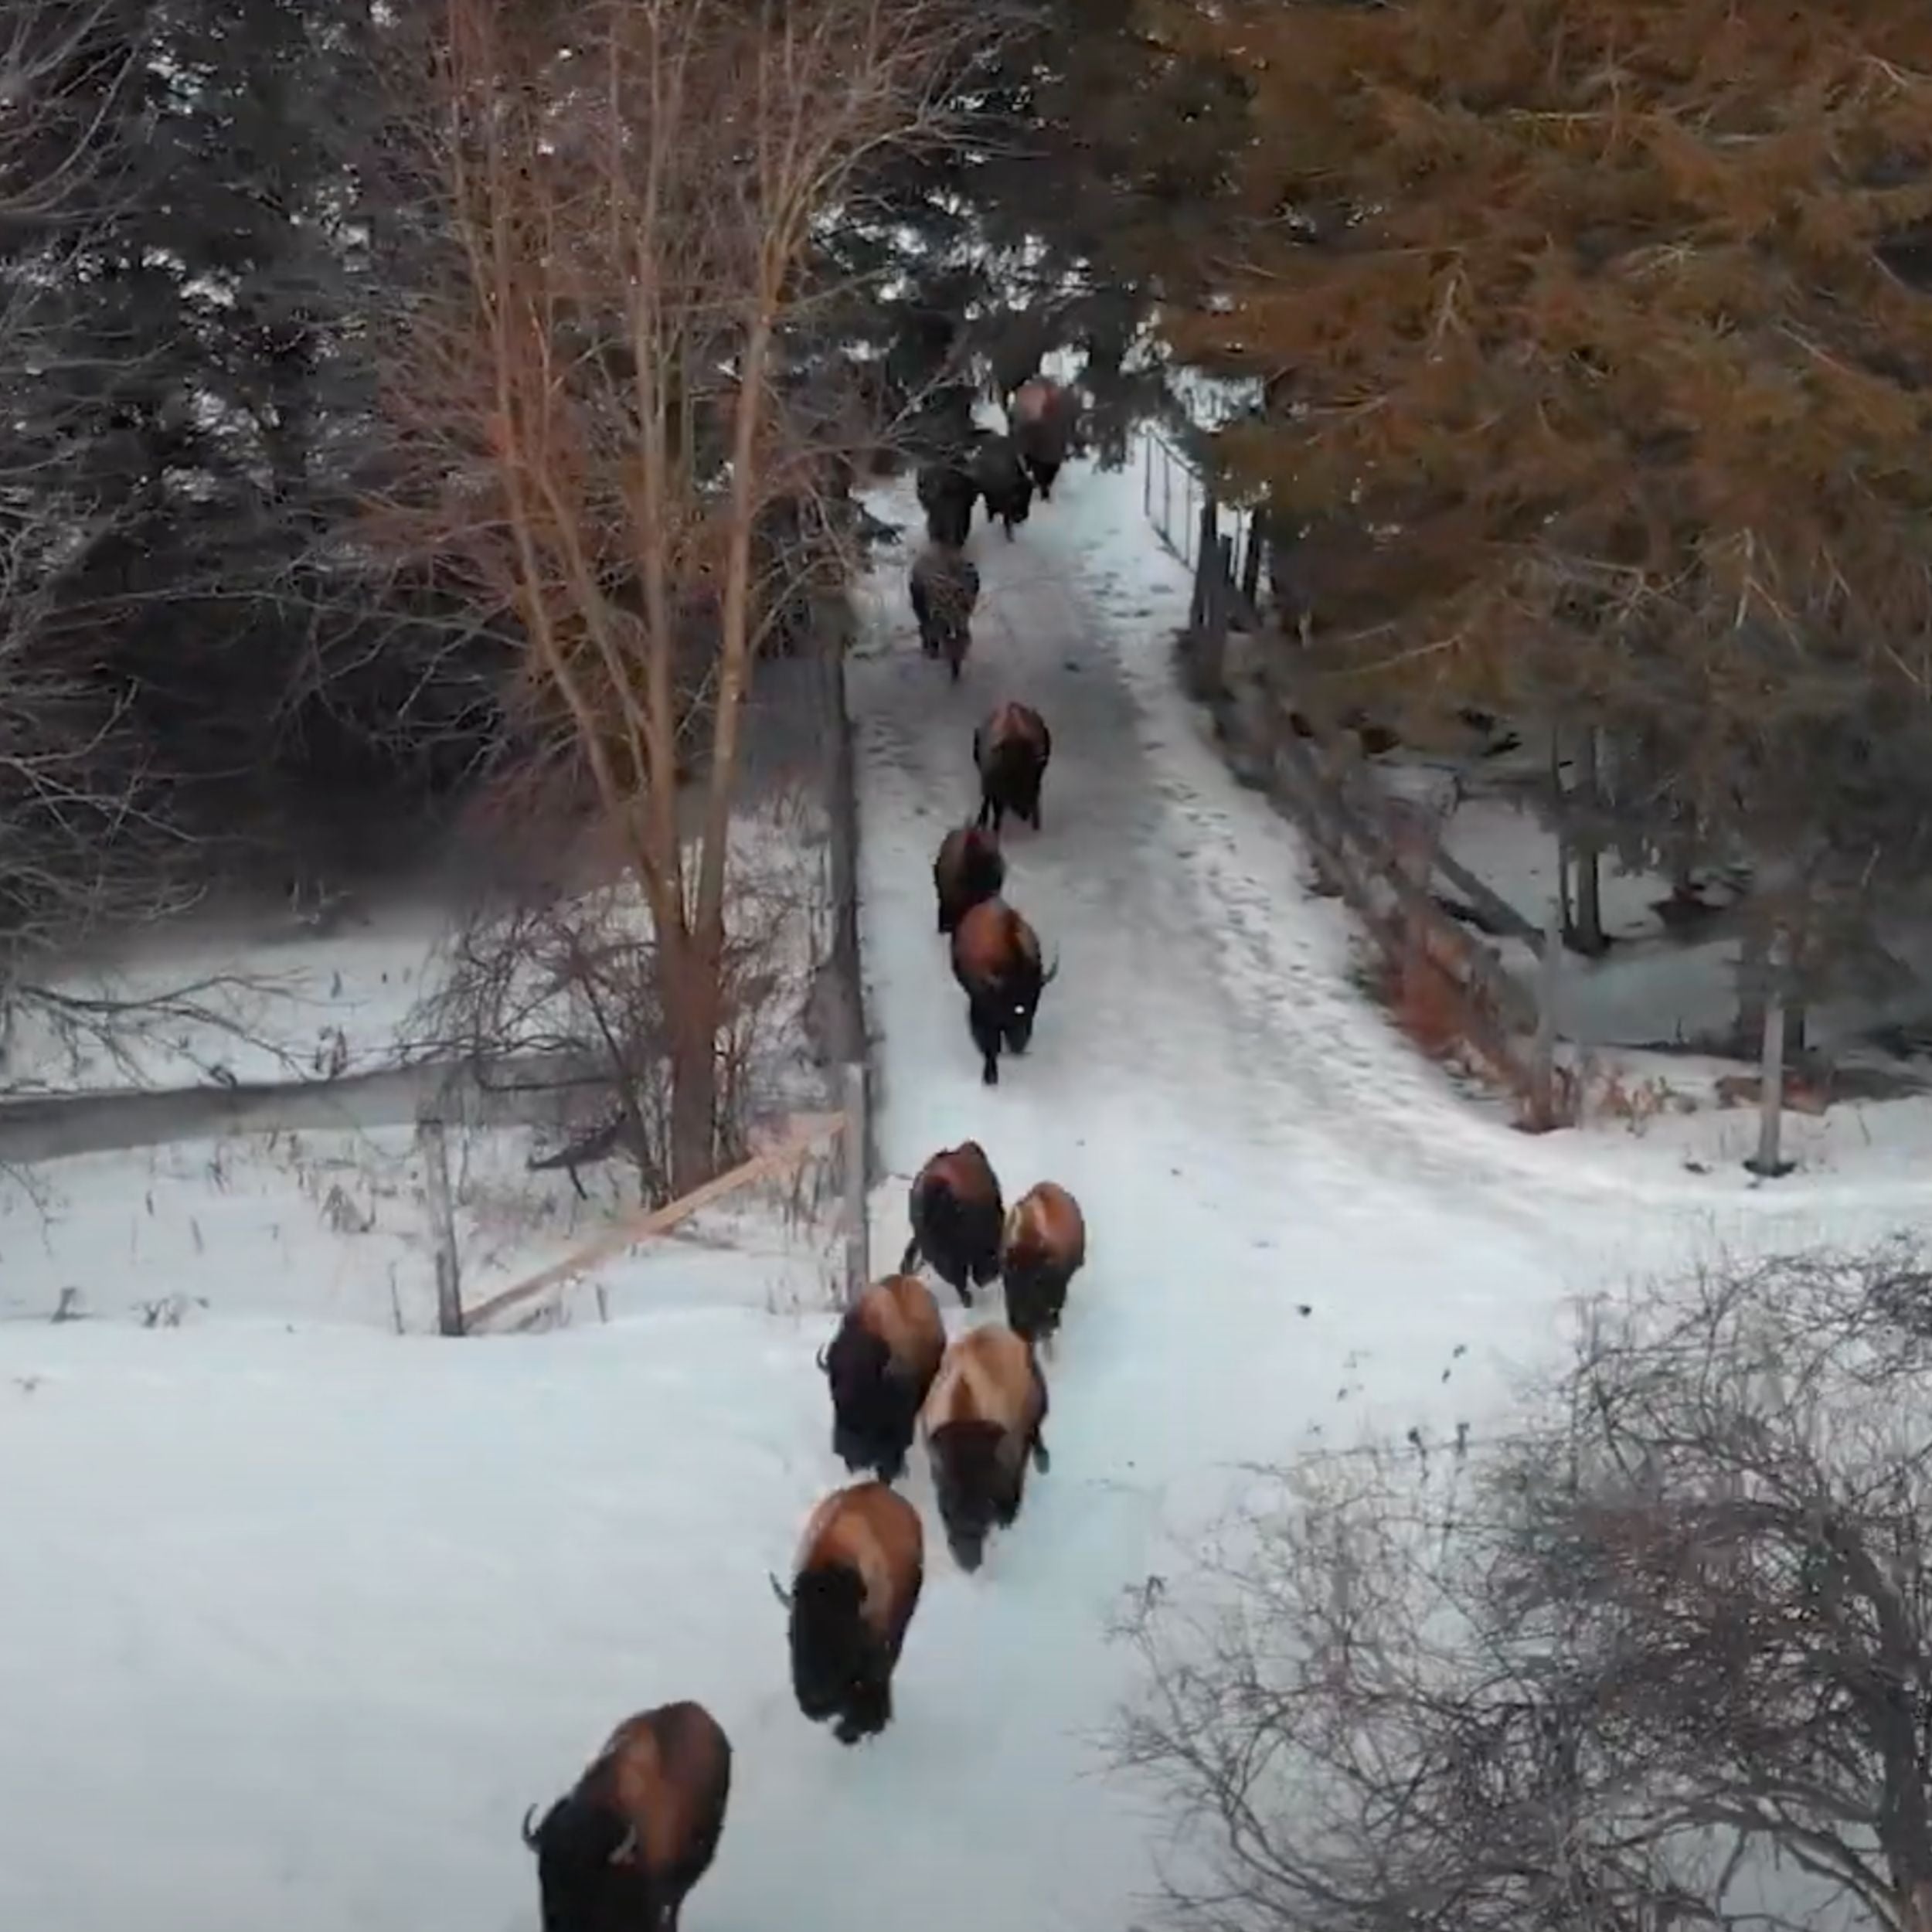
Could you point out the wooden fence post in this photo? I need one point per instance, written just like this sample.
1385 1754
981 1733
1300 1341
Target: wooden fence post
1251 563
857 1235
1207 550
1543 1098
1767 1162
433 1138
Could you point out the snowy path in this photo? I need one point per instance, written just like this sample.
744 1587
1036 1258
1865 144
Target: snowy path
1293 1225
314 1614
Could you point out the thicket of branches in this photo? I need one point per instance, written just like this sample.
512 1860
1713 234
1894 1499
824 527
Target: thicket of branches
1665 1658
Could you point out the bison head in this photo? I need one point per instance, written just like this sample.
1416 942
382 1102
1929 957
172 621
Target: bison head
830 1643
589 1876
977 1485
1023 989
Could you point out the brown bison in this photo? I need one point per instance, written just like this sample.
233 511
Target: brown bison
1011 751
1001 478
1042 416
956 1213
946 493
861 1563
970 867
996 960
620 1852
944 583
983 1419
1043 1247
879 1366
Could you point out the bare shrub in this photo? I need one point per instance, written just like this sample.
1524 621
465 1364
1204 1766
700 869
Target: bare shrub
571 980
1661 1659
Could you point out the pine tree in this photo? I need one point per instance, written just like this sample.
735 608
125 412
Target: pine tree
1605 332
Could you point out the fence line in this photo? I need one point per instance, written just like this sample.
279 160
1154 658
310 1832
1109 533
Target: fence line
1385 868
1381 864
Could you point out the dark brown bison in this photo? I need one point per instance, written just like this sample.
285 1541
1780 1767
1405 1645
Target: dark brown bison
1042 415
970 867
862 1564
946 493
945 587
956 1214
1001 478
1011 749
879 1366
996 960
983 1419
1043 1247
620 1852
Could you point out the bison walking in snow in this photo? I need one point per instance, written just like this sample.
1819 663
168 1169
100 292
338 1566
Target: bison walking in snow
862 1564
1043 1247
996 960
983 1420
879 1366
1011 750
970 867
1001 478
947 493
620 1852
944 585
956 1214
1043 416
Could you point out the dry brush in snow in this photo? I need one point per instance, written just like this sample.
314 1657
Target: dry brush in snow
1663 1657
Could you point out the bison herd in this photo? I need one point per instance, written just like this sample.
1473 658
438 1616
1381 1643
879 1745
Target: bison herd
620 1852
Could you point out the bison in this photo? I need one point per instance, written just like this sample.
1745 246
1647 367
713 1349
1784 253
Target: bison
996 960
1043 1247
1010 750
945 587
620 1852
946 493
982 1420
1001 478
879 1366
1042 416
970 867
861 1563
956 1214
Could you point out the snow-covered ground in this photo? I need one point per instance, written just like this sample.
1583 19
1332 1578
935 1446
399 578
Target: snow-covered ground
314 1617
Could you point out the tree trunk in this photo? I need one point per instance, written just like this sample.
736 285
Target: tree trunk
1753 973
690 995
1557 809
1586 935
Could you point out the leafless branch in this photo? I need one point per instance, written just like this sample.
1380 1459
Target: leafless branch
1660 1659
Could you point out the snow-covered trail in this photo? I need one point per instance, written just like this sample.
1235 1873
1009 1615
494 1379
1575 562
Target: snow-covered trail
1295 1229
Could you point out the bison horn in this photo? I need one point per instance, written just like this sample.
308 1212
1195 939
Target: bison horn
622 1854
778 1590
529 1833
820 1357
1047 978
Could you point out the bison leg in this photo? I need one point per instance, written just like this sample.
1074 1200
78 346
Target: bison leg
869 1710
991 812
910 1259
985 1029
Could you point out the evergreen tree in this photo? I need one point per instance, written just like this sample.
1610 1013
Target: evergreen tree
1604 335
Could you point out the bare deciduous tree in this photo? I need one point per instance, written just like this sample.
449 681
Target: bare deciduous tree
567 982
602 430
1661 1659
